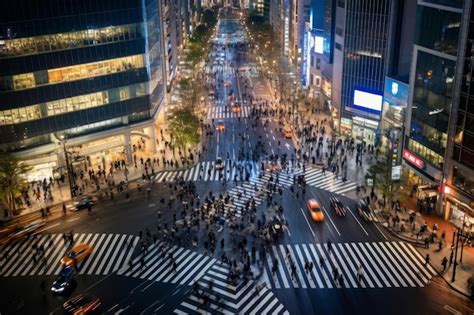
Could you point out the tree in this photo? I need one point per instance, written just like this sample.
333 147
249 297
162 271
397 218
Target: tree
12 181
380 172
209 18
184 125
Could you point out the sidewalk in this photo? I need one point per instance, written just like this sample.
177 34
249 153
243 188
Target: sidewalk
60 192
398 223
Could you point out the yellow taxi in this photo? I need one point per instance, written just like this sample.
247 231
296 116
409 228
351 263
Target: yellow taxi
220 126
287 132
314 210
236 108
77 254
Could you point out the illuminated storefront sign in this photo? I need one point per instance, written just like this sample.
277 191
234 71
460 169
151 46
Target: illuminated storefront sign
318 44
413 159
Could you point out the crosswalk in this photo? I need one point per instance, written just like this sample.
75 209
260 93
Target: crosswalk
223 112
256 188
327 181
110 253
384 265
228 298
207 171
156 265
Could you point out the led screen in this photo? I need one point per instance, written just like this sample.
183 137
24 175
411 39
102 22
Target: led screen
366 100
318 44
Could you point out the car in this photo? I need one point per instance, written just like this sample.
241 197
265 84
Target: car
287 132
82 304
276 227
220 126
337 206
83 203
236 108
272 167
78 253
219 164
26 230
301 180
364 210
64 280
314 210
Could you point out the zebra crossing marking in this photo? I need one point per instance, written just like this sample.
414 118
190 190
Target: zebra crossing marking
385 264
207 171
108 254
229 298
316 178
224 112
158 266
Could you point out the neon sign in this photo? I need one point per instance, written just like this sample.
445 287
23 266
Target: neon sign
413 159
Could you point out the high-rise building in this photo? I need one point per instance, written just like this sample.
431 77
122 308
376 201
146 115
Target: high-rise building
457 203
82 75
361 54
432 93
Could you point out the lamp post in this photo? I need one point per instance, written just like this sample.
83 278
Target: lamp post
294 102
68 167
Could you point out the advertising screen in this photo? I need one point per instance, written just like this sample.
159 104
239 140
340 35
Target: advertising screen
318 44
395 92
367 101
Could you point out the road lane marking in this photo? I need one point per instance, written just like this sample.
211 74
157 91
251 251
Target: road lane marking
349 209
73 219
306 219
49 227
337 231
452 310
375 224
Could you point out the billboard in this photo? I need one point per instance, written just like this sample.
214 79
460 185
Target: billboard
318 44
367 101
395 92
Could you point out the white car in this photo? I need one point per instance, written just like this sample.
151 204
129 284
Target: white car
220 164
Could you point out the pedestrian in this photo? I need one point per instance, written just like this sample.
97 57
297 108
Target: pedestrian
427 243
341 280
444 263
64 209
335 274
329 246
321 262
360 273
427 259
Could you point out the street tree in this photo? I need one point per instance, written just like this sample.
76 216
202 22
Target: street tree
184 125
12 181
380 172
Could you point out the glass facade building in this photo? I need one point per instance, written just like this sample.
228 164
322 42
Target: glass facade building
76 67
364 56
432 82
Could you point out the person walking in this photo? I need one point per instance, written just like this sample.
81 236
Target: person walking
444 263
360 274
329 246
427 259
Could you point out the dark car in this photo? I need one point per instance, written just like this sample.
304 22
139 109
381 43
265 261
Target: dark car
82 304
276 227
83 203
364 210
337 205
64 281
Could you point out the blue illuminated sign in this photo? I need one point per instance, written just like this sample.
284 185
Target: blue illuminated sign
395 92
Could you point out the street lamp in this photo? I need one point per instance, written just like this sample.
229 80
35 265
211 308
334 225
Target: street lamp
68 167
294 102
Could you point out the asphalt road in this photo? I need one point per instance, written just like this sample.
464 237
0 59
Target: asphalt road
395 280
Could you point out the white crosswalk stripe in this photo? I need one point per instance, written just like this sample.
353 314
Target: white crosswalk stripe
156 265
226 297
384 264
224 112
110 253
256 188
207 171
315 177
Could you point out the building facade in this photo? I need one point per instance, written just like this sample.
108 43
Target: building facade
432 91
457 202
361 56
89 73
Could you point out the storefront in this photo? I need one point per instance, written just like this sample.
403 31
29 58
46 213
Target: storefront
364 129
460 213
